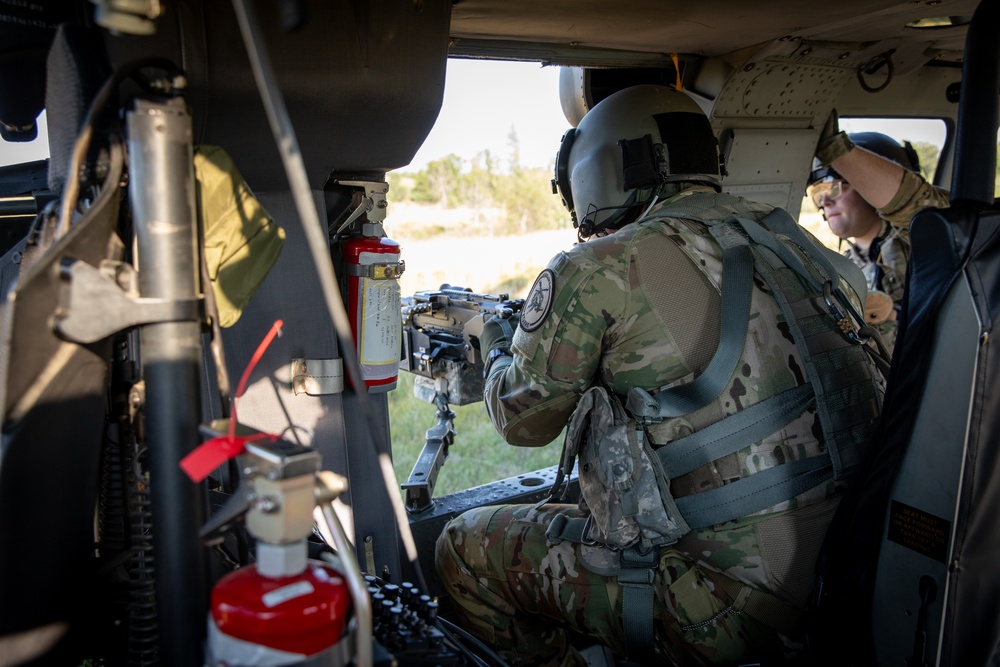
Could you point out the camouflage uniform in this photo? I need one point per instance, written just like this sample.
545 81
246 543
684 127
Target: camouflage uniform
884 266
914 194
886 272
641 308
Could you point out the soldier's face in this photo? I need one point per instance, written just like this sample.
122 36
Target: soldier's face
848 214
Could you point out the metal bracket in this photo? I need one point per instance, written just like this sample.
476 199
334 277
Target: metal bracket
419 488
93 304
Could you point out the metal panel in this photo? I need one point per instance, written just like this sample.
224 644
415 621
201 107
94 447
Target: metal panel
919 532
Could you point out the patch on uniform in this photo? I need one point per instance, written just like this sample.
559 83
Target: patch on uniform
539 301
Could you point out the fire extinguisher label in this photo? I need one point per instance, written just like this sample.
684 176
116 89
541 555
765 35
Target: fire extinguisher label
382 330
286 593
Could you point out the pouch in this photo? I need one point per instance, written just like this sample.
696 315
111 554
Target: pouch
621 479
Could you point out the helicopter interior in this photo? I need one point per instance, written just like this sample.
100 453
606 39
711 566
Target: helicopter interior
315 102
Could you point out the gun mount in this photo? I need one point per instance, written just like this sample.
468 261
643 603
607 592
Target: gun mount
441 331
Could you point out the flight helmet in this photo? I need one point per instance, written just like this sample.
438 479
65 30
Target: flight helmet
630 148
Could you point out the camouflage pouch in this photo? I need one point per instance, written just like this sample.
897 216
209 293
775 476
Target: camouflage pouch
621 479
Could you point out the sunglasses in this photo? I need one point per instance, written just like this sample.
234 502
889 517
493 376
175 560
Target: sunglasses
829 189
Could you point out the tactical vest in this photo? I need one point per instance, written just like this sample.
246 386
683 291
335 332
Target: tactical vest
626 482
625 479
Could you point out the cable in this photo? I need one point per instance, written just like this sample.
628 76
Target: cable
448 627
291 156
82 144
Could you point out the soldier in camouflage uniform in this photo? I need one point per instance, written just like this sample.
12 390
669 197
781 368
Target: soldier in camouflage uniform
638 305
874 208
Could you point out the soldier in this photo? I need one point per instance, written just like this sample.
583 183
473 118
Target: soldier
877 239
711 456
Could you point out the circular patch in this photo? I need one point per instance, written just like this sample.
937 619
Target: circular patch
539 301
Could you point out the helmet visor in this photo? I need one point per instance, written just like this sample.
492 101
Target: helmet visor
828 188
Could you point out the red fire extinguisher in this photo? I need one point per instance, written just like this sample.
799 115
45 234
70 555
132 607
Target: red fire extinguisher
373 266
278 613
284 609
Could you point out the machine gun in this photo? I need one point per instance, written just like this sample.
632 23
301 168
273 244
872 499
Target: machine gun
441 331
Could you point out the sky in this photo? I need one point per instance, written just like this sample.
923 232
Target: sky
485 100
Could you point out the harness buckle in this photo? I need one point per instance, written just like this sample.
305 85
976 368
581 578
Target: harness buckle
843 321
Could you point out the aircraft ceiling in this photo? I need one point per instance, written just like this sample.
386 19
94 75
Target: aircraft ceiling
638 32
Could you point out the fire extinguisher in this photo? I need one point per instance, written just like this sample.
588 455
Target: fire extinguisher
284 609
372 264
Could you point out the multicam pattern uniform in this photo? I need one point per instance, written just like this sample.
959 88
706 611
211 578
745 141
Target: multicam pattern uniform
886 273
913 195
518 592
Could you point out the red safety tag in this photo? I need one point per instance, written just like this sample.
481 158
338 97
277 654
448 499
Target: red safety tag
211 454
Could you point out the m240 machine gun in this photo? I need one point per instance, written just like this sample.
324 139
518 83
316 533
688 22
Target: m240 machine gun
441 331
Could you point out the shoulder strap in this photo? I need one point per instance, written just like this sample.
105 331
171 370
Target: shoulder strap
838 382
737 286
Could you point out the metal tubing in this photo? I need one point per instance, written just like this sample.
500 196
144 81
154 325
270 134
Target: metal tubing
163 204
975 152
359 592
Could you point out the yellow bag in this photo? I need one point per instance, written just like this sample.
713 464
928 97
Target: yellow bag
242 242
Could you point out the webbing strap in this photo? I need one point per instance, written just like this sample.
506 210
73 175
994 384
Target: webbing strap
833 263
754 493
761 606
735 431
815 346
737 286
767 239
638 571
568 529
781 221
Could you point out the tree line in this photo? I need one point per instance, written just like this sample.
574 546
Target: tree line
519 197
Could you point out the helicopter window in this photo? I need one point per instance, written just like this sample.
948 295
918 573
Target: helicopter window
927 135
475 208
19 153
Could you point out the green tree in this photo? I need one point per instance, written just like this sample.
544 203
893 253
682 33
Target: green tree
400 186
434 183
481 183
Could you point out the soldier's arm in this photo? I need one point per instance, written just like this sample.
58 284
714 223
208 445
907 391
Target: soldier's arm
531 397
896 192
876 179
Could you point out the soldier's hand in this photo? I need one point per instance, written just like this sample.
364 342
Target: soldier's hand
833 143
495 341
878 308
497 334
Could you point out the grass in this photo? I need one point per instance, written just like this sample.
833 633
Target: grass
478 456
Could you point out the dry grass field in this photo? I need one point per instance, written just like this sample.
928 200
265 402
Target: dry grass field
463 253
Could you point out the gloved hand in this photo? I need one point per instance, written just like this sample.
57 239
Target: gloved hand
879 307
495 341
498 333
833 143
